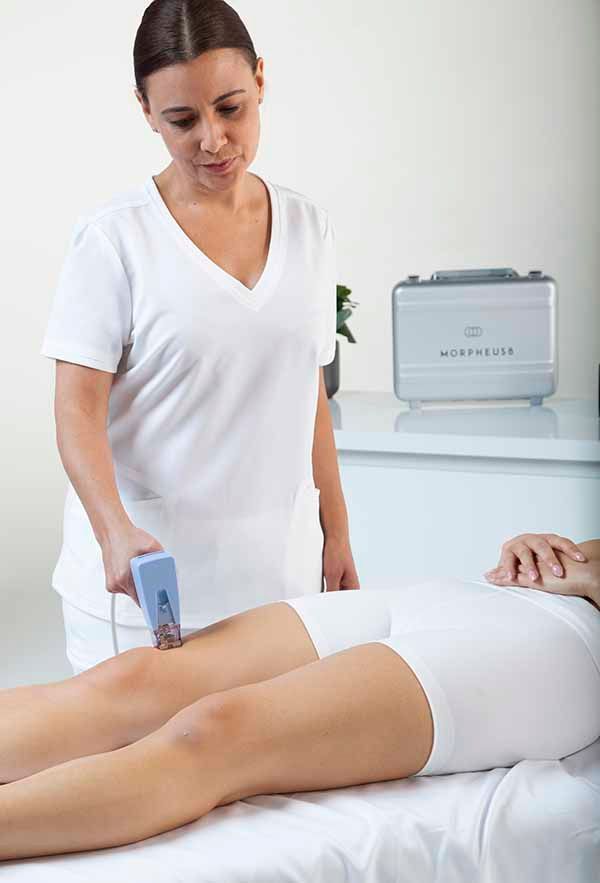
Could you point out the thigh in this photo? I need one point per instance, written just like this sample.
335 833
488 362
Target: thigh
357 716
245 648
470 677
268 641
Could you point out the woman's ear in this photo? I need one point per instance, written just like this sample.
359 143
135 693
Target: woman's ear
145 108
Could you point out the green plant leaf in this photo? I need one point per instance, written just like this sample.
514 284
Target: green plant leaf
344 311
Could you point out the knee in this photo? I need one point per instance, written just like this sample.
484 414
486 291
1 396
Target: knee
130 671
220 718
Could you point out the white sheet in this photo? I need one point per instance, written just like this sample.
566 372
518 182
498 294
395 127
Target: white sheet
536 822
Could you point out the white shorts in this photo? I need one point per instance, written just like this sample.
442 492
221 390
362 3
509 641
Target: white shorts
510 673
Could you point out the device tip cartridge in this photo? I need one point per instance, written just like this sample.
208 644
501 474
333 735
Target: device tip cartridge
168 636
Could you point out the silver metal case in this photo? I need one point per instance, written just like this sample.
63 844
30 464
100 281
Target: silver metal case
475 334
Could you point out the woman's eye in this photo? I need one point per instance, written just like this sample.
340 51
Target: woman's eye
183 124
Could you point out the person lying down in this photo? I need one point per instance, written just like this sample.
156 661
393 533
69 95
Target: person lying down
321 691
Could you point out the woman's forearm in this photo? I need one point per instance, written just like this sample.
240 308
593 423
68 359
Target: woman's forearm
334 515
591 550
87 458
579 577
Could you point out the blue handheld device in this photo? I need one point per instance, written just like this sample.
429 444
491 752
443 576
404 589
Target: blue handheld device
155 581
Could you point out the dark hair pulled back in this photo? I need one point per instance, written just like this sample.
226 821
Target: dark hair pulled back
175 31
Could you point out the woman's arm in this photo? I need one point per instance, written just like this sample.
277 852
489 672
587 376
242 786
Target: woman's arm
581 578
81 411
338 564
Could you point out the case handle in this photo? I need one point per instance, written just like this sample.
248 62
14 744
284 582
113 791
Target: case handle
493 273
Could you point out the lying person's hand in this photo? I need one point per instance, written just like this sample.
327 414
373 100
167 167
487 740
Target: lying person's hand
578 577
525 550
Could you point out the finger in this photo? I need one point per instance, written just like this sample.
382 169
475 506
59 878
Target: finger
524 581
525 570
495 574
498 579
567 546
508 563
525 555
545 553
331 583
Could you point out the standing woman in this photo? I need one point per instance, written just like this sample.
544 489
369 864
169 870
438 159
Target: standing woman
190 322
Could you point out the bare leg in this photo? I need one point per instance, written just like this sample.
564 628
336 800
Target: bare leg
126 697
357 716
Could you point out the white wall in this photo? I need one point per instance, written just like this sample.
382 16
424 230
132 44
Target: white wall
439 135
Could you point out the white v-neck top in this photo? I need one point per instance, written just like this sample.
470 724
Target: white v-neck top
213 403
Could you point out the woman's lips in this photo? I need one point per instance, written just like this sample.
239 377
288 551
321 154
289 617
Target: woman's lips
221 169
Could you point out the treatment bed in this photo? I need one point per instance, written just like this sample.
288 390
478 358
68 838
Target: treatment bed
535 822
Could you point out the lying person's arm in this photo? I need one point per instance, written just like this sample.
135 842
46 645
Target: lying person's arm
578 577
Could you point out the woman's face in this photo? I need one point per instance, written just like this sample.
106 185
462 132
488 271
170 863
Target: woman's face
198 125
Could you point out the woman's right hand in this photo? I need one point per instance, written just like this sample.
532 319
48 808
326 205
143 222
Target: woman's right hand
117 552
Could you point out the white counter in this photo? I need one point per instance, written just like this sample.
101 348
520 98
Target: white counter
567 429
436 492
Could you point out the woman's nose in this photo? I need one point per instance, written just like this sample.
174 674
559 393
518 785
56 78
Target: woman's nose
212 138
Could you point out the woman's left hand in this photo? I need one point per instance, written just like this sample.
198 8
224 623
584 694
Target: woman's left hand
338 565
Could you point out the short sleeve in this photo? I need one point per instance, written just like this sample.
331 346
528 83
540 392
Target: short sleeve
90 317
329 323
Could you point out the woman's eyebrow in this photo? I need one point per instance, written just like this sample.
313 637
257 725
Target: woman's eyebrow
216 101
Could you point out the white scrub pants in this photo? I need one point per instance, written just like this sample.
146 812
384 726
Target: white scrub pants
506 675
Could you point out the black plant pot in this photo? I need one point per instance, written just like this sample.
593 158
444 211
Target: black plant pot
332 373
